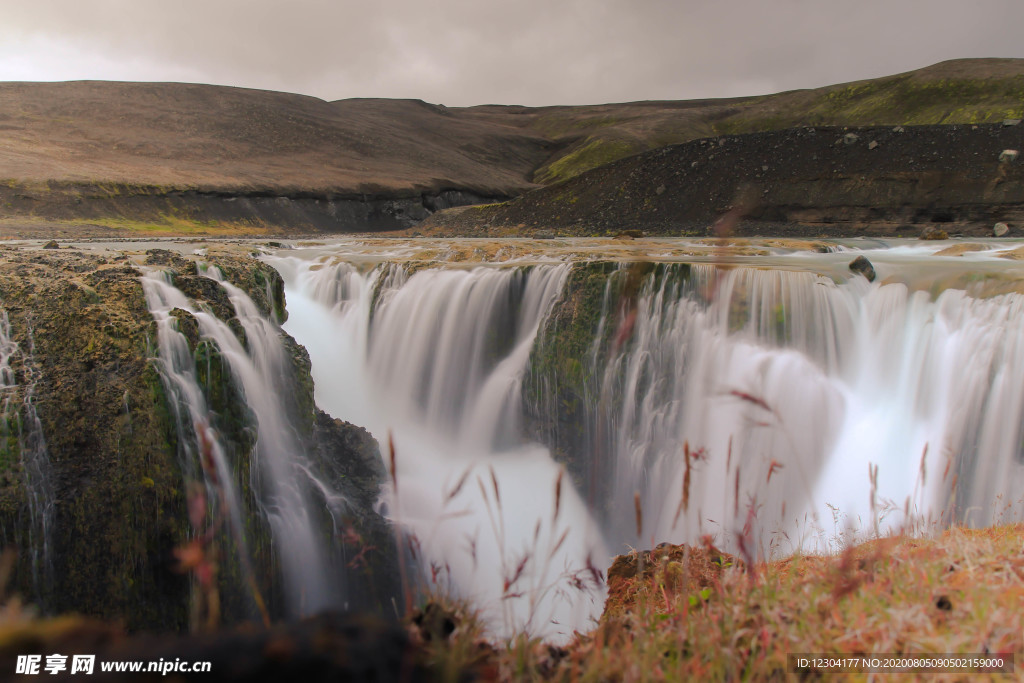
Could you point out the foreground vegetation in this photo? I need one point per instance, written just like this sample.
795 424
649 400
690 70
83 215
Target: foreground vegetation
698 614
674 614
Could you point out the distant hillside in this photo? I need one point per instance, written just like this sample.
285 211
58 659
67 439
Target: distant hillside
134 152
958 91
204 137
805 181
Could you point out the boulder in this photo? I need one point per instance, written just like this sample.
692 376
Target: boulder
863 266
1008 156
1000 229
170 259
670 569
934 233
850 138
52 244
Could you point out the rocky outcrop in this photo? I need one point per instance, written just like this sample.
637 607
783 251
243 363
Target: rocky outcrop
133 207
566 405
863 266
85 337
557 415
667 571
118 492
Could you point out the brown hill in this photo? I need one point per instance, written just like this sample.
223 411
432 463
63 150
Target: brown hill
210 137
169 152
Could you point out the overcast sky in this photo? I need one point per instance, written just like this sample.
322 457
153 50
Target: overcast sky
533 52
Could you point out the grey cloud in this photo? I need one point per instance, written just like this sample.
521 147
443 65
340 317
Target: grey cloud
530 52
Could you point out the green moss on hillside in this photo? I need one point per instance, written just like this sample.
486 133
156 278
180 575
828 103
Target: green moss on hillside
909 99
901 100
594 152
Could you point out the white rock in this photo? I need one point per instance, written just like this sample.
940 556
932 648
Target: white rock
850 138
1011 122
873 144
1008 156
1000 229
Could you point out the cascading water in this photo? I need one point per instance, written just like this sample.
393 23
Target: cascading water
21 425
789 388
286 490
434 361
773 407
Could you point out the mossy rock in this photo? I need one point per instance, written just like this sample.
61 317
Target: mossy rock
665 571
187 325
170 259
120 481
207 291
118 510
568 363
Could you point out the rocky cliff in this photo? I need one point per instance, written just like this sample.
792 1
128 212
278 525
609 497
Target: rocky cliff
93 490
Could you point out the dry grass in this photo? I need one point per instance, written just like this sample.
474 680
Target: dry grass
171 226
696 614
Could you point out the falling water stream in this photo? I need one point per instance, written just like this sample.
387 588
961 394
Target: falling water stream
813 404
22 427
288 493
434 361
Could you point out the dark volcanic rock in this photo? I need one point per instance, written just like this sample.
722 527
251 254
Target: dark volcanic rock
802 181
863 266
351 461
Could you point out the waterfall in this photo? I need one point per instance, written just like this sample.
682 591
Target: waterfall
788 407
791 389
281 479
23 430
433 363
